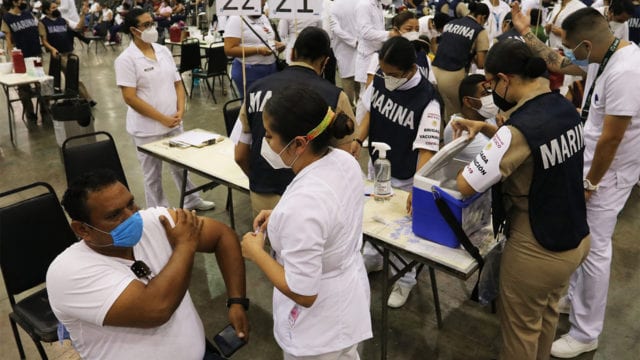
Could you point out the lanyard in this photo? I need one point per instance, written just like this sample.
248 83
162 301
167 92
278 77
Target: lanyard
605 61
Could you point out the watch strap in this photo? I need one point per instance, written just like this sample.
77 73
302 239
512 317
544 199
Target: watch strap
242 301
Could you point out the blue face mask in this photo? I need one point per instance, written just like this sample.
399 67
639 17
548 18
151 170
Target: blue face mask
568 53
127 234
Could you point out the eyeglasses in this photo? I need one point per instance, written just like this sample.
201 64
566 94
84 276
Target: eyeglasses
486 87
141 270
147 25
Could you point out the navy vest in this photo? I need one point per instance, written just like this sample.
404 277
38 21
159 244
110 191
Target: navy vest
262 177
24 33
511 34
452 7
454 47
557 209
422 63
58 34
634 26
394 119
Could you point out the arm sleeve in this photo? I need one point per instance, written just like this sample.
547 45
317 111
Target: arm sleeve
428 137
41 30
125 72
233 27
482 41
366 97
502 155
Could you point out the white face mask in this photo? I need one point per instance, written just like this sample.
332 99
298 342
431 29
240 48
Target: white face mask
411 35
488 109
273 158
149 35
392 83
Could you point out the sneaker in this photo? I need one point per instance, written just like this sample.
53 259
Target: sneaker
372 264
203 205
564 305
399 295
567 347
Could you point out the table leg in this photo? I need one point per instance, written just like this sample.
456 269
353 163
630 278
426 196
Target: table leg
230 206
10 117
385 310
436 297
183 188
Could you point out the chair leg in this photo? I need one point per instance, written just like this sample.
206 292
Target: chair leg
221 81
235 94
43 354
16 336
215 101
192 81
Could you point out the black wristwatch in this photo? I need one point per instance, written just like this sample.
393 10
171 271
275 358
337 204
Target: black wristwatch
242 301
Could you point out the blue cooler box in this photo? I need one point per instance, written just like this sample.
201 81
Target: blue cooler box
437 178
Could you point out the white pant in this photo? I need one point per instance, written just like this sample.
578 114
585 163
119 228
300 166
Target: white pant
350 353
590 282
152 172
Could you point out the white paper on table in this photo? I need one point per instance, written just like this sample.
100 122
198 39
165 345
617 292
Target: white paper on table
196 138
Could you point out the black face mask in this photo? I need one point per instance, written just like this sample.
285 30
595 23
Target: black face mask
22 6
501 102
55 13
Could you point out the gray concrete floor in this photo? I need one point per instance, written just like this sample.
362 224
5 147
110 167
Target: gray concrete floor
470 331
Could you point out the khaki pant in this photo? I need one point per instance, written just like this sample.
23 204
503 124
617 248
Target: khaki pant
448 85
351 88
262 202
532 280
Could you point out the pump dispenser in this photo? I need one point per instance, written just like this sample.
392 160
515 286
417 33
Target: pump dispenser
382 172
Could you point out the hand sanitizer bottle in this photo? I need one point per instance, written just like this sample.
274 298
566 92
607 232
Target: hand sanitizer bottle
382 172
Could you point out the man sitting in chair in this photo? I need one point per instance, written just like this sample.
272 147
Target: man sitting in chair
122 291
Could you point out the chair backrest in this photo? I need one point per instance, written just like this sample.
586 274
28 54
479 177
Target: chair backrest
55 69
32 233
190 55
84 157
231 110
216 60
72 75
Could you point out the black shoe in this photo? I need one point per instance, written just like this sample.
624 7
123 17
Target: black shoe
32 120
93 103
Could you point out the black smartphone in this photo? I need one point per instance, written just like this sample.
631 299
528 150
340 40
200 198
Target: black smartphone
227 341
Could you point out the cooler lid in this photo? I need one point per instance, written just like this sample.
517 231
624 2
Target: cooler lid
444 156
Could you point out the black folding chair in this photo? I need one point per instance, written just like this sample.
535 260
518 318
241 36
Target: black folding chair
216 67
80 157
32 233
189 58
230 111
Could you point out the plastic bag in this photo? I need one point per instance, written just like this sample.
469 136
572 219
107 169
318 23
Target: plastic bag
488 284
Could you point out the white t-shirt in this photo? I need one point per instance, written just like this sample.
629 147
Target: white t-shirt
316 233
475 146
69 12
155 84
496 15
556 14
616 93
236 28
83 285
429 126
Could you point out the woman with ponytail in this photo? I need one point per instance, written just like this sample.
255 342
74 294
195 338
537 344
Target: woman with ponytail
321 291
534 164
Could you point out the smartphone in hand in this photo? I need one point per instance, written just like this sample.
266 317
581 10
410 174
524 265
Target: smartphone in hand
227 341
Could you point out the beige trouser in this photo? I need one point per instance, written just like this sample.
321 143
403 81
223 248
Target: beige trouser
351 88
532 280
261 201
448 84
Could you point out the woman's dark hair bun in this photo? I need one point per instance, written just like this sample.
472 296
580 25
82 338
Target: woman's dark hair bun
534 67
341 126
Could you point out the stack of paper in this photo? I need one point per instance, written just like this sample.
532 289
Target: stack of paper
197 138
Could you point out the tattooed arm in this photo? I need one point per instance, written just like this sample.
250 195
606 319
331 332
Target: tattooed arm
555 61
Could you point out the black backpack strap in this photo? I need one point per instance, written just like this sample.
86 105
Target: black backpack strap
448 216
273 51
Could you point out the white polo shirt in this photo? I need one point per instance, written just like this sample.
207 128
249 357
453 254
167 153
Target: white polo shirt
154 82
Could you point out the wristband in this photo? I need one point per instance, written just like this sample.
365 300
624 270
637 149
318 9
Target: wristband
358 141
242 301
